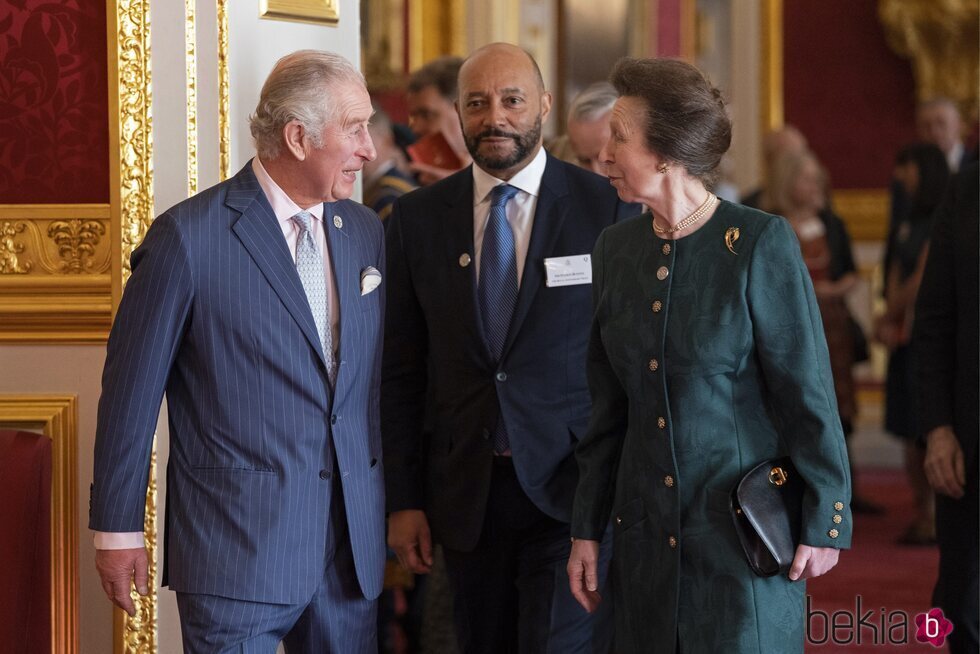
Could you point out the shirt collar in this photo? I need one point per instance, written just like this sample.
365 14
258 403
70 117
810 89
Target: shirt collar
282 206
527 179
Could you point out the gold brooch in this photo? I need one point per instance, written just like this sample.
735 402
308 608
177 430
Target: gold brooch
731 235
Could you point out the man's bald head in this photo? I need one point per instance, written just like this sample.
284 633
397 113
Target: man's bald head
503 54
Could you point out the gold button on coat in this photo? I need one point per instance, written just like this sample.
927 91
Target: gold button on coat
662 273
661 422
673 542
839 506
653 365
833 533
838 519
666 248
657 306
669 481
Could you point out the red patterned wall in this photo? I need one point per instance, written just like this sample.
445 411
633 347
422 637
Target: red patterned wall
852 97
54 113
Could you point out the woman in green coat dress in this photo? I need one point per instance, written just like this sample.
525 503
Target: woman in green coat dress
707 357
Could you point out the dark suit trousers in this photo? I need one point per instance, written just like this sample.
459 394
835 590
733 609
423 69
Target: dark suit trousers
336 620
511 593
957 589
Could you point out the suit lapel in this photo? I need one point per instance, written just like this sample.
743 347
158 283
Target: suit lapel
549 216
346 276
458 230
260 234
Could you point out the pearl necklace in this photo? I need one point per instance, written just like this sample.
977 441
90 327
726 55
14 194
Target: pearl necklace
698 214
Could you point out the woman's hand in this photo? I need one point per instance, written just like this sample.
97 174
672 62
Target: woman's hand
583 573
812 562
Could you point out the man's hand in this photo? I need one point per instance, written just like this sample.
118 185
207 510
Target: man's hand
409 536
944 465
118 569
583 575
812 562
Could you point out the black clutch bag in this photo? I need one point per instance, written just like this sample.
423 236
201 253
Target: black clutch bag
766 505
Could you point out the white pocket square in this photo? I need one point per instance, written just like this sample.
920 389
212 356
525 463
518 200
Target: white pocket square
370 279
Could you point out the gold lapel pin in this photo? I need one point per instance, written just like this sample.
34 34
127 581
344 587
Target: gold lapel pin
338 222
464 260
731 235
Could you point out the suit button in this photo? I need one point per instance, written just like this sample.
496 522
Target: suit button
839 506
666 248
333 420
669 481
501 376
324 474
661 422
653 365
833 533
672 542
838 519
662 273
657 306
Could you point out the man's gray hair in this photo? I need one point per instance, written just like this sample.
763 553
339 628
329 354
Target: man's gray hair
596 100
299 88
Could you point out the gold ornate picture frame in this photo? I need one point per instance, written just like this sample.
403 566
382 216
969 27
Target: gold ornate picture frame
56 416
324 12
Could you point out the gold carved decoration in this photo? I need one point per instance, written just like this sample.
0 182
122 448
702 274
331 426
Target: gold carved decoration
56 416
131 194
55 262
942 38
190 69
224 95
76 240
10 261
306 11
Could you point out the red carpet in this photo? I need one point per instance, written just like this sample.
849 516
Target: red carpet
898 579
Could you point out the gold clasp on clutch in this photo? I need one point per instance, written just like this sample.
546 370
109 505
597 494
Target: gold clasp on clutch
778 476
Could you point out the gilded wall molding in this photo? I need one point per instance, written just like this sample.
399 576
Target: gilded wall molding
190 70
940 37
56 416
55 262
224 95
131 193
864 211
772 66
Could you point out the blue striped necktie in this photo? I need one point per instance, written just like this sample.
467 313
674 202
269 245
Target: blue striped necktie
498 285
309 266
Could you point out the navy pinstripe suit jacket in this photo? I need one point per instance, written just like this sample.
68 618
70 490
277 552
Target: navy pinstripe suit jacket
216 316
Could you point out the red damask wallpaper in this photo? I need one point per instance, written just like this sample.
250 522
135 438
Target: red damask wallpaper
846 90
54 113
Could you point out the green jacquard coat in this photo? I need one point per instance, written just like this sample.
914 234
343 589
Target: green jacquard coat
707 357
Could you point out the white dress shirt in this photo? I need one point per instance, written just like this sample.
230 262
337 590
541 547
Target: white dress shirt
284 209
520 210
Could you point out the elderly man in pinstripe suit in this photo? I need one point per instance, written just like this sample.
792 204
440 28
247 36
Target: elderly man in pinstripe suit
255 305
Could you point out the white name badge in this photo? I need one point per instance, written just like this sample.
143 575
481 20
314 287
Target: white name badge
568 271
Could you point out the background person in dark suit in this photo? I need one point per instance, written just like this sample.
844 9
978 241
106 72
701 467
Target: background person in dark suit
945 338
255 306
484 393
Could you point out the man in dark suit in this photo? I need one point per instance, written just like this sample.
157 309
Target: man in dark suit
945 341
255 306
484 393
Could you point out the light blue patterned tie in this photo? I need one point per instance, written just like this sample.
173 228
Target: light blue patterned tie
309 266
498 285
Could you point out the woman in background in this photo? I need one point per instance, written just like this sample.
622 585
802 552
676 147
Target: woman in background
922 170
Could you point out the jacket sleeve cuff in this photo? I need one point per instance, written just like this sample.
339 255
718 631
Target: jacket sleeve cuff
118 540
